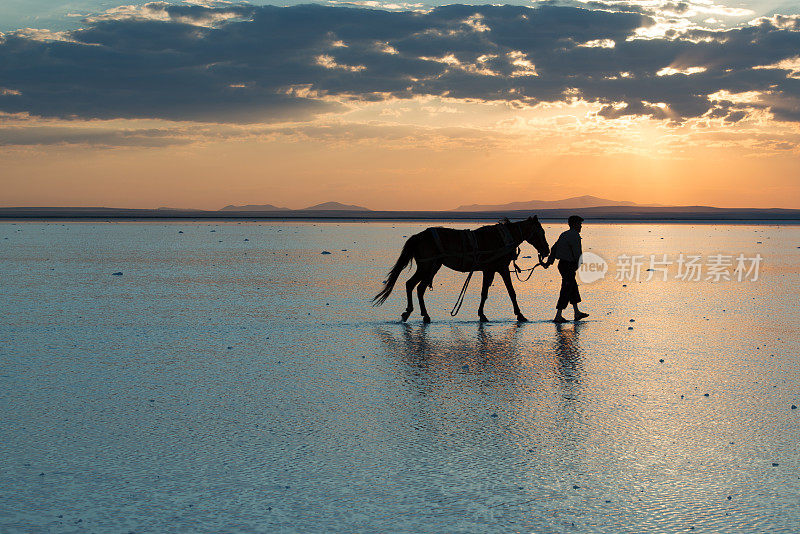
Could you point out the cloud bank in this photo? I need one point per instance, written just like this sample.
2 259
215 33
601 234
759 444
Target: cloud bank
237 63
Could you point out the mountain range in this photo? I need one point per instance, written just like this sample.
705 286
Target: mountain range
586 201
254 207
325 206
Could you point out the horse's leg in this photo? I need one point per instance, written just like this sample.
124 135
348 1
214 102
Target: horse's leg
413 281
506 276
425 282
488 276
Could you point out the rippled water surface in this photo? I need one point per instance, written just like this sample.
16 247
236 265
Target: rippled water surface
235 379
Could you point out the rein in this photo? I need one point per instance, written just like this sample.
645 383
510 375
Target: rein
516 270
460 299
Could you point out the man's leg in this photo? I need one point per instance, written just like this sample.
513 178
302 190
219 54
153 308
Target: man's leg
574 292
564 296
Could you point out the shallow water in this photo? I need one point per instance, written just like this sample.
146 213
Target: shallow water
234 379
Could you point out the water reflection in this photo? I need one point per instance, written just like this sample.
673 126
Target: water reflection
514 386
455 349
511 360
569 362
454 373
567 411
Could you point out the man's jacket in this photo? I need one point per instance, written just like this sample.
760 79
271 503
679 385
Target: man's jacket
568 246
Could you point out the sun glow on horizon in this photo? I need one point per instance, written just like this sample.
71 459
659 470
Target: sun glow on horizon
384 155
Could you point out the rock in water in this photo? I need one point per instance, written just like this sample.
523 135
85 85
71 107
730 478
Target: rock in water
118 273
324 252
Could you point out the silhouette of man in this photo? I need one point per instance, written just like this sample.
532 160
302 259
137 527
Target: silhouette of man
567 250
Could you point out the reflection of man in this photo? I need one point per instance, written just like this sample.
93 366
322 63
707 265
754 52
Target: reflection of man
567 250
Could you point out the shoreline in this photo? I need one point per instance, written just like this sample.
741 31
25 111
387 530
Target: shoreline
609 214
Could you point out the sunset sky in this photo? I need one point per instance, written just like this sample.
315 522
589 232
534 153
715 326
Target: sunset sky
398 105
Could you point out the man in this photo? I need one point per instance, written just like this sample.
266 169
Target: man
567 250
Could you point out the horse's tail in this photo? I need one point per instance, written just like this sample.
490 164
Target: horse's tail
405 258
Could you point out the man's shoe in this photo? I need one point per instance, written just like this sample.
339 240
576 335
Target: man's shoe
560 320
581 315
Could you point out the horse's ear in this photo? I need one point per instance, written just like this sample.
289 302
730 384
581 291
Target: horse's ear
536 218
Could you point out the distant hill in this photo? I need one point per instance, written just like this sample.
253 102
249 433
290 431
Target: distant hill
585 201
254 207
325 206
335 206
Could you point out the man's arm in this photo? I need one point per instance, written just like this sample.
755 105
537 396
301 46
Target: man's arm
551 259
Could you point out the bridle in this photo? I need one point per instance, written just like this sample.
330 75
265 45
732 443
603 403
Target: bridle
530 240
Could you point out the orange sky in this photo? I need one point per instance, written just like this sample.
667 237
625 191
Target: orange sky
407 163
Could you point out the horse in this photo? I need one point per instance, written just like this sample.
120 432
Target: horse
489 249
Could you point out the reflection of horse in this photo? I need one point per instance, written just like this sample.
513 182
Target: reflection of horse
508 354
437 356
416 345
489 249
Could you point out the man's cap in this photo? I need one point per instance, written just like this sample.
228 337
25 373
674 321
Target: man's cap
574 219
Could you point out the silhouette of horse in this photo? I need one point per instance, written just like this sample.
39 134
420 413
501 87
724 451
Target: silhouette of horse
489 249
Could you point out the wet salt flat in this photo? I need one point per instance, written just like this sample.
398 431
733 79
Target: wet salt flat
235 379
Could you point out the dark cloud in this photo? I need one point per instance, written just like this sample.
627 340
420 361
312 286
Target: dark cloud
244 64
76 135
675 7
639 108
618 6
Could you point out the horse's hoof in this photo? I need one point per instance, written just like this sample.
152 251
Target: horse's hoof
483 319
521 318
404 316
426 319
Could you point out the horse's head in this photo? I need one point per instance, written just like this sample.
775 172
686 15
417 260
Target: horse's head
534 234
